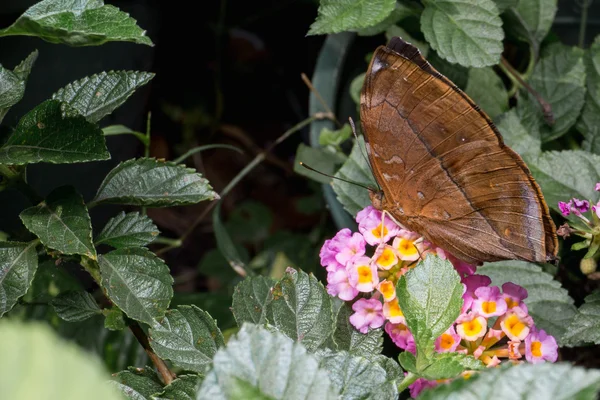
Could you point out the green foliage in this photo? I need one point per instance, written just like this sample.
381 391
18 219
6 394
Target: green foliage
516 136
54 133
548 303
336 137
347 337
530 20
467 33
343 15
127 230
81 23
321 159
584 327
589 122
75 306
137 384
12 83
18 263
251 298
487 90
182 388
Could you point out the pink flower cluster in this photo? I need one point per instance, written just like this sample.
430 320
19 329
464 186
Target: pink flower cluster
365 266
578 207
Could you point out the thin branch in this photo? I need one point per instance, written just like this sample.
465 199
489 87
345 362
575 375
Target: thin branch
308 83
160 365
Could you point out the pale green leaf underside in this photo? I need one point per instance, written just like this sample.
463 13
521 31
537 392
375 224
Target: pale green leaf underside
549 304
138 282
52 133
77 23
75 306
188 337
153 183
464 32
99 95
18 263
585 327
128 230
516 136
336 16
260 364
62 222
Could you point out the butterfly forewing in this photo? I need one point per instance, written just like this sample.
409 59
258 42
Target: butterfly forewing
443 168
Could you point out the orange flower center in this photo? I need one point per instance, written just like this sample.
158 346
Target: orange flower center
387 289
386 258
377 231
472 327
488 307
447 341
407 247
364 274
514 324
536 349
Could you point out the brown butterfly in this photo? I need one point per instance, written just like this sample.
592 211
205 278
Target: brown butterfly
443 168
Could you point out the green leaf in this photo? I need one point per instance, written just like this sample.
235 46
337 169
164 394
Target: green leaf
566 174
336 16
259 364
585 327
487 90
137 384
318 158
73 374
336 137
400 12
504 4
24 68
77 23
355 88
99 95
75 306
188 337
128 230
430 296
450 365
138 282
18 263
522 381
354 198
12 83
358 378
455 72
589 122
250 221
153 183
251 299
301 309
516 136
236 259
182 388
53 133
408 361
548 303
114 319
531 20
348 338
559 77
468 33
62 222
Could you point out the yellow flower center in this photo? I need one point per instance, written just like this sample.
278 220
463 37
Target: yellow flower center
407 247
394 309
386 258
377 231
364 274
488 307
511 303
536 349
447 341
514 325
387 289
472 328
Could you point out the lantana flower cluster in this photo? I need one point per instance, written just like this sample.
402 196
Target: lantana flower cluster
363 267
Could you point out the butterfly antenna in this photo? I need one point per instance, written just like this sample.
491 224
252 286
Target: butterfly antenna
362 150
335 177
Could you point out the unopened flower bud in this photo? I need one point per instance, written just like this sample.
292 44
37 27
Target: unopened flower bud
588 266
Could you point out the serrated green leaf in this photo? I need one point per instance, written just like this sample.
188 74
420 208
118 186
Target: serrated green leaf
137 384
114 320
468 33
318 158
516 136
589 121
336 16
566 174
153 183
347 337
75 306
73 374
138 282
188 337
251 299
301 309
400 12
18 263
354 198
559 77
182 388
259 364
53 133
430 296
531 20
585 327
488 91
62 222
128 230
11 89
337 137
98 95
522 381
450 365
548 303
357 377
24 68
77 23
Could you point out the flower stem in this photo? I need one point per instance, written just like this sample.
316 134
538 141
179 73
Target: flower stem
407 381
